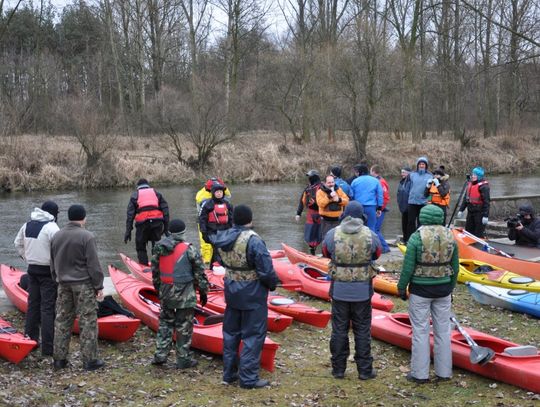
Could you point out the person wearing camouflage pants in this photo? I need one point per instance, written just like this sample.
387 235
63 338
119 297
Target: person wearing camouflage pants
177 270
430 270
75 266
351 246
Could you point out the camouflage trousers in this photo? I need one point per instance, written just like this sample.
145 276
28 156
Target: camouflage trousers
76 300
180 322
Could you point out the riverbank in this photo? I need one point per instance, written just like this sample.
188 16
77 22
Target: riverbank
30 163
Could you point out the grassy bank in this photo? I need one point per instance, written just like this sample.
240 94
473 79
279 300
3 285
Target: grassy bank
53 162
302 376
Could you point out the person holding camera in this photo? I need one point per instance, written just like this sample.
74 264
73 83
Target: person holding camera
476 201
438 190
525 228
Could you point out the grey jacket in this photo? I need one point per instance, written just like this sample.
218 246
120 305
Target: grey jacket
74 257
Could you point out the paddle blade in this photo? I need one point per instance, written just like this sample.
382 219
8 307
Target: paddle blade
481 355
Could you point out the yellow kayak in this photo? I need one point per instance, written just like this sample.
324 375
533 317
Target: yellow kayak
487 274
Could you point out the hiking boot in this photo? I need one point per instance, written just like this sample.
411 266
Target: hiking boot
413 379
187 364
259 384
229 381
93 365
158 362
368 376
60 364
338 375
439 379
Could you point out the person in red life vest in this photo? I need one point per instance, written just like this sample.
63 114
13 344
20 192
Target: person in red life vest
375 171
438 190
216 214
177 271
331 200
150 212
476 201
308 200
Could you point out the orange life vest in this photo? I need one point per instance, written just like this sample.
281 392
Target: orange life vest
147 205
220 214
176 267
436 197
473 193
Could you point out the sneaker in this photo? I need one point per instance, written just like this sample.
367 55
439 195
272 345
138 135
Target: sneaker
60 364
368 376
413 379
93 365
441 379
259 384
186 365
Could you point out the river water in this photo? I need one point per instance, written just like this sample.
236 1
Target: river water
274 206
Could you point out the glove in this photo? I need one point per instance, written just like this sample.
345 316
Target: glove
428 185
402 294
485 220
436 182
203 298
459 215
205 238
127 237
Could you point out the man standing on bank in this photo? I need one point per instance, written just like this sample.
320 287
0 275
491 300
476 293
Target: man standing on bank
75 267
33 242
177 270
351 246
150 211
249 276
430 270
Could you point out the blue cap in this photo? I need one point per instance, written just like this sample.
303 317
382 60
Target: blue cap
479 172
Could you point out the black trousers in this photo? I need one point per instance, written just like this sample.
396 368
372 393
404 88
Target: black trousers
345 314
42 291
413 221
149 231
404 225
473 224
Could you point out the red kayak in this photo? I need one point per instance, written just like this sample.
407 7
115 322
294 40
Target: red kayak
143 301
283 305
520 260
314 282
14 346
521 371
117 328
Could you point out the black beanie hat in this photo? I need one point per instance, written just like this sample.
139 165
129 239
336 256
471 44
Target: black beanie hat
177 226
142 181
354 209
362 169
335 170
242 215
76 212
51 207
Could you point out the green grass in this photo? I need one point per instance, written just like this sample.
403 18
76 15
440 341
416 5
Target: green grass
302 376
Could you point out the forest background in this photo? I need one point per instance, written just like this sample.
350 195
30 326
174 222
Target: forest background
106 91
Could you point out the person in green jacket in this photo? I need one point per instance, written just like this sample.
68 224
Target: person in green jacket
430 270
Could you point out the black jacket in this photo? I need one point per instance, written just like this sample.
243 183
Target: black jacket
132 210
528 236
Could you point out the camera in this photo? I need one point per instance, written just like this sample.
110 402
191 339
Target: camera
512 222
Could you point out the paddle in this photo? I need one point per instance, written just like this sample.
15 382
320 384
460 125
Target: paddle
486 244
480 355
458 200
288 286
154 306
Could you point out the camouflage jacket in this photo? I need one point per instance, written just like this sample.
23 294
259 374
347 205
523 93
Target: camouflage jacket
178 295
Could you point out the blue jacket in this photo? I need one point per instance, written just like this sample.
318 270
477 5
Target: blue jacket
340 182
248 295
419 179
403 194
368 191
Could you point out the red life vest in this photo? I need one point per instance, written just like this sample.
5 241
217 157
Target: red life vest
147 205
473 193
220 214
175 267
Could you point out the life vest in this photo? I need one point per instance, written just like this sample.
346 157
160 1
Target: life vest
437 250
235 261
352 255
147 205
176 267
220 214
436 197
473 193
311 196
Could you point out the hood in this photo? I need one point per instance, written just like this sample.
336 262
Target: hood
526 210
169 242
224 239
351 225
445 177
431 215
41 216
420 159
143 186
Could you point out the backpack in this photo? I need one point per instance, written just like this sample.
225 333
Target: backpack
311 196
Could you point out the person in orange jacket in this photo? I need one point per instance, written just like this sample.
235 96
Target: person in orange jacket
331 200
438 190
